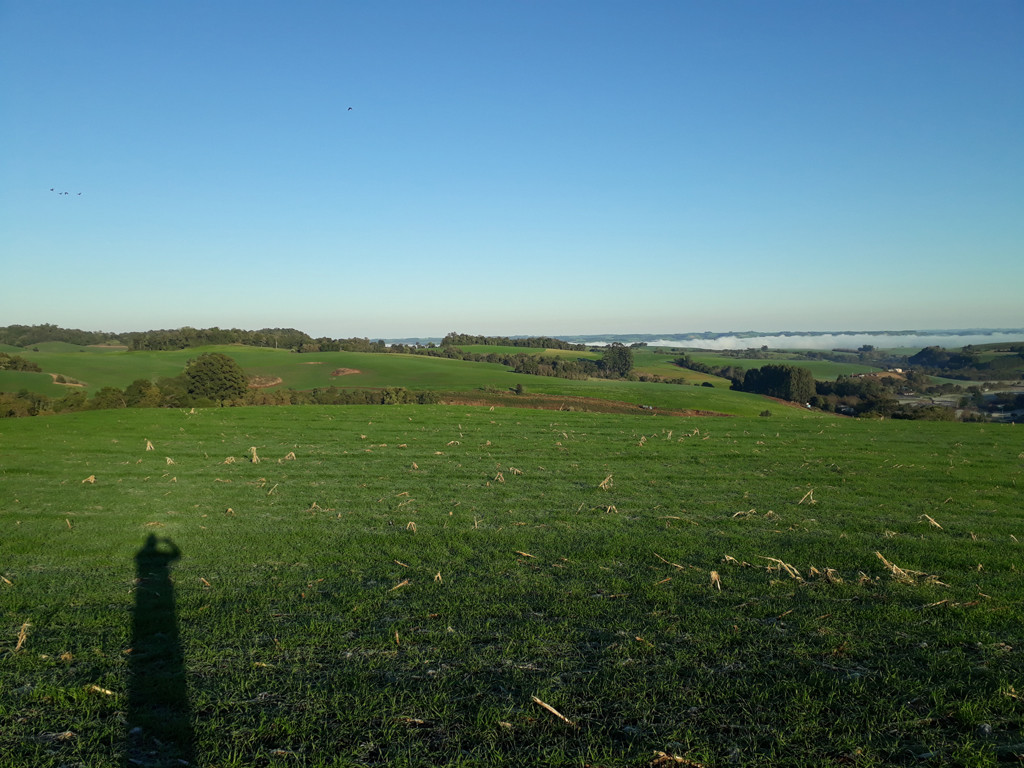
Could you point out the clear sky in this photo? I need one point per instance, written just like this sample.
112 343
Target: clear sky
409 168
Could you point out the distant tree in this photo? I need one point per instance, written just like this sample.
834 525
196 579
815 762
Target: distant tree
17 363
786 382
215 376
108 397
142 393
617 359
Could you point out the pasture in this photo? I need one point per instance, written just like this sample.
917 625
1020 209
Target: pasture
97 367
445 585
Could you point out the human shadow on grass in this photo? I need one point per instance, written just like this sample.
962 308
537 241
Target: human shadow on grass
159 728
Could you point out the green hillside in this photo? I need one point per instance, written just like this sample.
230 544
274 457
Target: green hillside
98 367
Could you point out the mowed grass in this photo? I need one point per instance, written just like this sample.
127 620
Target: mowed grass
401 585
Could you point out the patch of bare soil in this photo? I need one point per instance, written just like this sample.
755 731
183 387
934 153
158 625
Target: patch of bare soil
65 383
262 382
344 371
557 403
885 375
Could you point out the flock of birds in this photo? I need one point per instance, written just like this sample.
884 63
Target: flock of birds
79 194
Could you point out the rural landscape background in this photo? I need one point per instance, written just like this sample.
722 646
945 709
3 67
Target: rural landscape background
473 384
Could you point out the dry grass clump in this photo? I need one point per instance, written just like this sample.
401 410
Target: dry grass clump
22 636
149 446
831 575
90 479
663 759
254 458
781 566
908 576
605 484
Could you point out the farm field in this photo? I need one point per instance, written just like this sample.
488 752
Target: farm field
99 367
448 585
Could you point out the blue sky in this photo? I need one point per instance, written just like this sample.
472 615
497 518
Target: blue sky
512 167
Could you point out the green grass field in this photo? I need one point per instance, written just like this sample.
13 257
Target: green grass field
402 586
98 367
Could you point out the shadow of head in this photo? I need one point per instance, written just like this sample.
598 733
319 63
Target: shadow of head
156 555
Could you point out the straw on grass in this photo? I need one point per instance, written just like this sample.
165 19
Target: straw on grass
781 566
663 758
667 562
22 636
552 710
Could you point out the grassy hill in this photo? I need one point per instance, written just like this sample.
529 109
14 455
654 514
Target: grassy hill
97 367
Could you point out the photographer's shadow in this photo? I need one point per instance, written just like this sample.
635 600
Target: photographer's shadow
159 729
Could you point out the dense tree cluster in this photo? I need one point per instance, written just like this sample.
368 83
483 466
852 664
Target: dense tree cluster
617 360
734 373
17 363
786 382
216 377
188 337
454 339
179 338
28 335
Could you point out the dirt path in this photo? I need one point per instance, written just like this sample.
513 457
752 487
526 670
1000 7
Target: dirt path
65 383
565 403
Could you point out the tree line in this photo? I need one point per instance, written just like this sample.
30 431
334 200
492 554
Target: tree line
454 339
967 364
17 363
